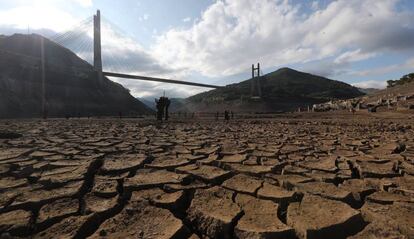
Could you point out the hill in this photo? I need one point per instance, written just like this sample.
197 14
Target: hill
402 81
404 90
283 90
71 85
399 97
369 91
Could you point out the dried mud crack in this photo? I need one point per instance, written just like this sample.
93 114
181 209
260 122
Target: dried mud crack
276 178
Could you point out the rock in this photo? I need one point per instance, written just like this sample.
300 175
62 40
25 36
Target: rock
95 204
378 170
389 198
316 217
398 213
42 196
242 183
58 208
14 222
9 182
167 163
256 170
323 176
326 190
213 212
294 170
63 175
10 153
67 228
361 188
140 220
149 179
277 194
205 173
123 163
236 158
380 230
326 164
391 148
288 181
105 187
158 197
260 219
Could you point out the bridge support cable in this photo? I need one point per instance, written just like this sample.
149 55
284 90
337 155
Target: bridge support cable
84 39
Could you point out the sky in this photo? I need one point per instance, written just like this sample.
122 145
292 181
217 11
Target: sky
361 42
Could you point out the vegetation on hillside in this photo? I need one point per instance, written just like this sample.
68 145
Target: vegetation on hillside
284 83
403 80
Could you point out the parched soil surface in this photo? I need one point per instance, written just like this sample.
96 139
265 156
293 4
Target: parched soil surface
338 177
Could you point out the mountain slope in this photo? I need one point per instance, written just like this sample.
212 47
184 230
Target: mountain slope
369 91
282 90
71 85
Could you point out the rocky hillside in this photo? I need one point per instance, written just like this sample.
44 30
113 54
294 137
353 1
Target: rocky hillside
283 90
71 85
395 91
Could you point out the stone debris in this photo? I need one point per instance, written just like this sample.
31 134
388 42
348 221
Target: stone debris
333 177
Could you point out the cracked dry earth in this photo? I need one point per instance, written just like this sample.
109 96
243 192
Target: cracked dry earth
281 178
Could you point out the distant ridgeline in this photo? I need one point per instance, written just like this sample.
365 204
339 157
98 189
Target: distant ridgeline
283 90
402 81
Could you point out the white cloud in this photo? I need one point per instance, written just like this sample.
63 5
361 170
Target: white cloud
371 84
84 3
230 36
187 19
352 56
144 17
315 5
37 17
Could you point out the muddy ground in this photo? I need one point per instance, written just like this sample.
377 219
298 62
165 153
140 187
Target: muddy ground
334 177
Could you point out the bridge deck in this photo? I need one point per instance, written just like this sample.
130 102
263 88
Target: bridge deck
146 78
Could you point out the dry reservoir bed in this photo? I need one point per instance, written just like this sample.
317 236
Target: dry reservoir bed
280 178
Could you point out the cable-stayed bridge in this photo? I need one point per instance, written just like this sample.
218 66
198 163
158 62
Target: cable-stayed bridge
85 39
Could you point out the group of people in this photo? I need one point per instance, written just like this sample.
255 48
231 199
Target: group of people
163 103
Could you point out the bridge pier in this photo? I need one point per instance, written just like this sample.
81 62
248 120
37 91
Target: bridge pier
256 90
97 55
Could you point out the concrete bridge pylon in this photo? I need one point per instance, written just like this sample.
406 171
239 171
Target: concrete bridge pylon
97 55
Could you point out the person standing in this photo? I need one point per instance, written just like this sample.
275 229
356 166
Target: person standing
226 115
167 104
160 108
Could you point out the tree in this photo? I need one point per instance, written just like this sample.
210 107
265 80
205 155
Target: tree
390 83
403 80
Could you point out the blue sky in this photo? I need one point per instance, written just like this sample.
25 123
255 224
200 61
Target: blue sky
361 42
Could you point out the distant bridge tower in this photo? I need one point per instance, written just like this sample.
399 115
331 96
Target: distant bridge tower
97 56
256 90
